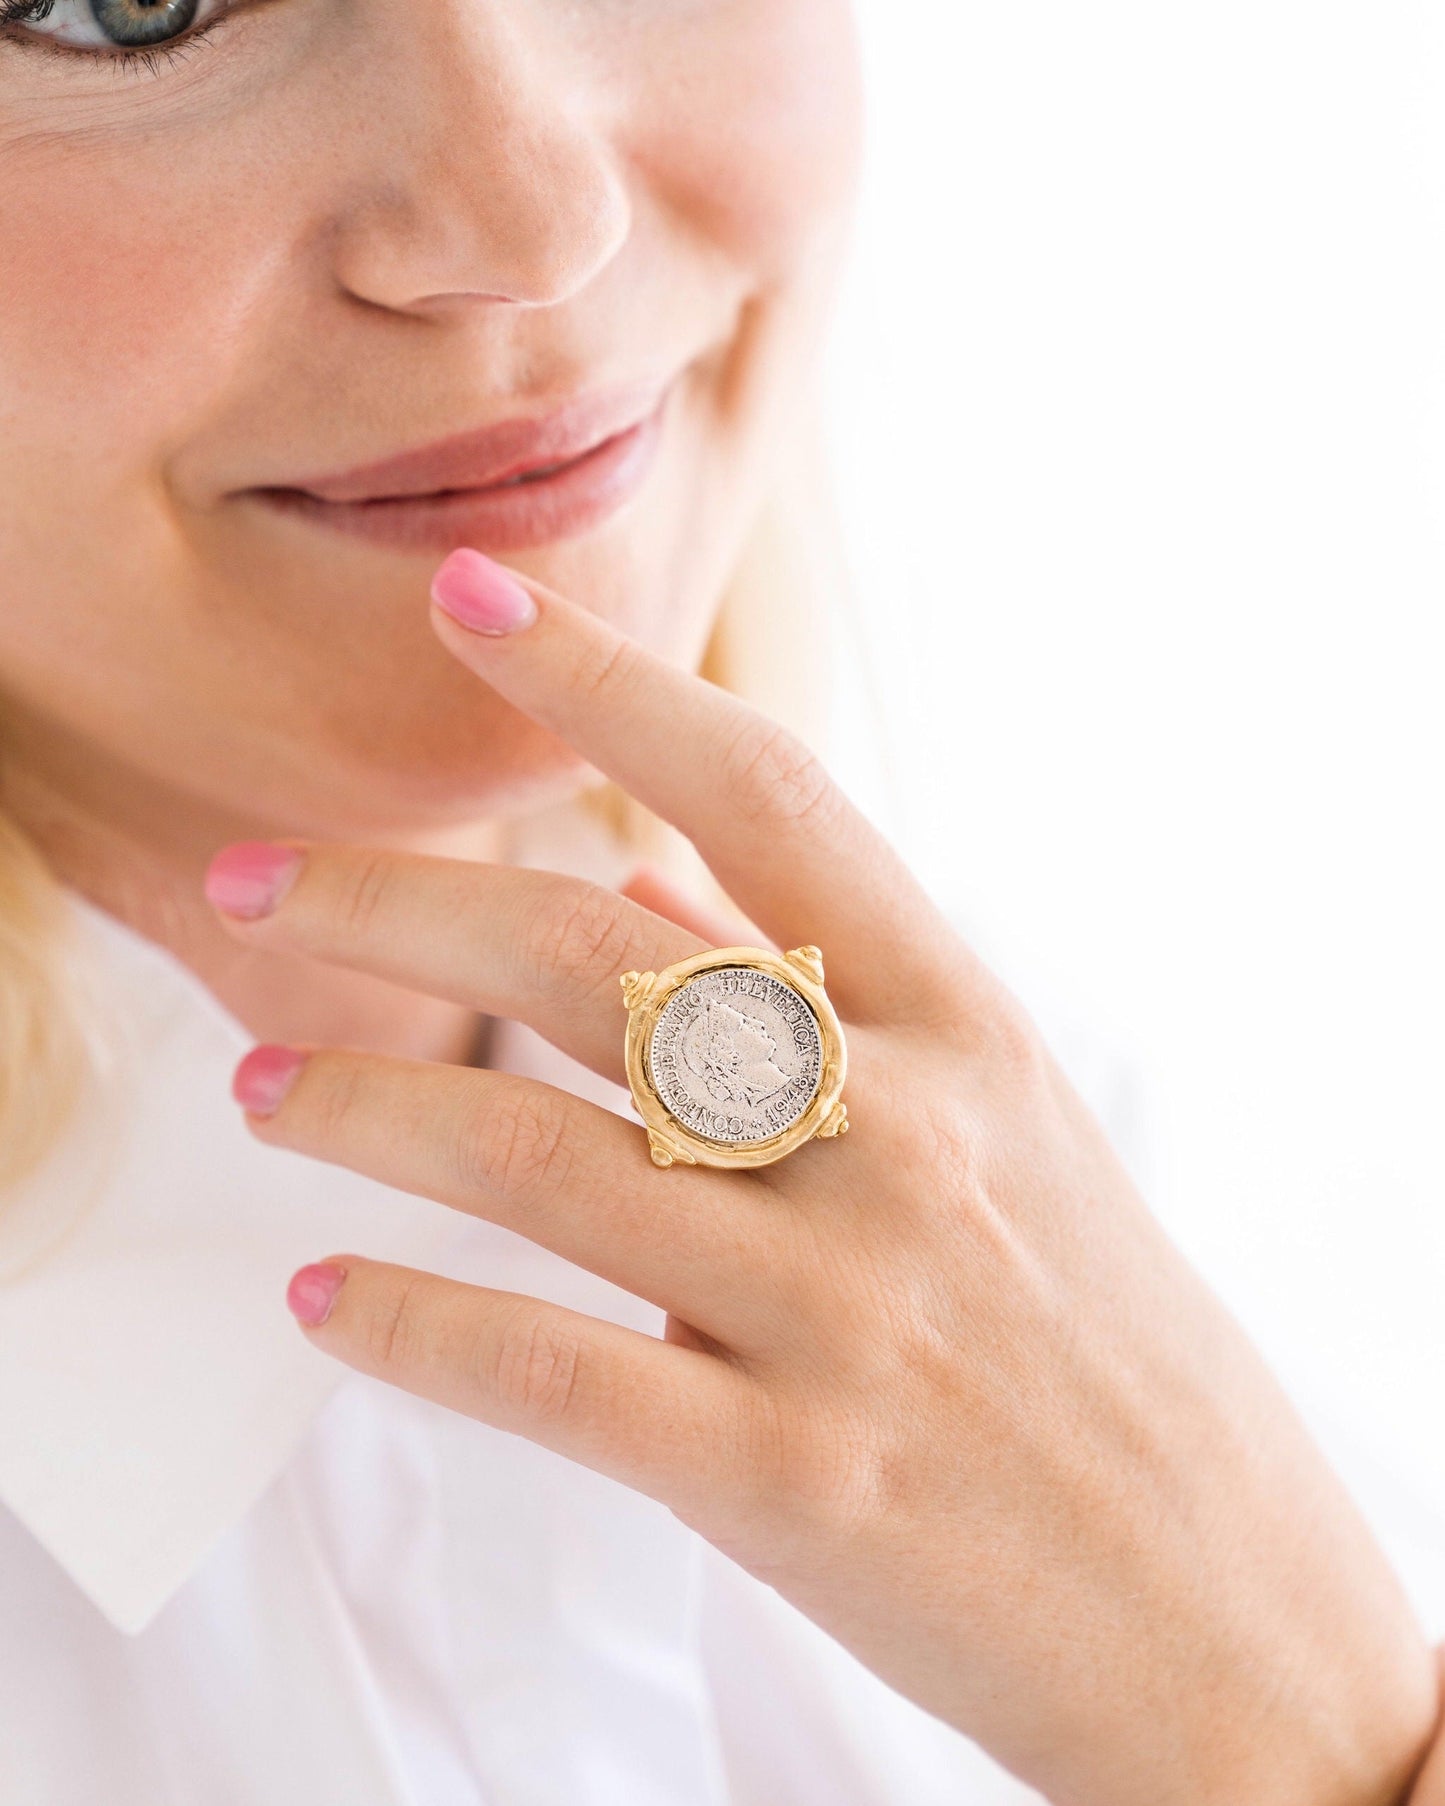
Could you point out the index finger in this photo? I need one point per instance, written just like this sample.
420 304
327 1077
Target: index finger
776 830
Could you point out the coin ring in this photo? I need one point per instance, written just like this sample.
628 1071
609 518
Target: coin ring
735 1056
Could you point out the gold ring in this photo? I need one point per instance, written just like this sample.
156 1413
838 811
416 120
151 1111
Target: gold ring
735 1057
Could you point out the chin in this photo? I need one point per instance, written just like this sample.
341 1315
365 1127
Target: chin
434 779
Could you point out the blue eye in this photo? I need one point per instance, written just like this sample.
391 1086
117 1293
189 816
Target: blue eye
131 22
106 24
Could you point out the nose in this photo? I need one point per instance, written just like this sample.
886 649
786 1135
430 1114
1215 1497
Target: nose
475 173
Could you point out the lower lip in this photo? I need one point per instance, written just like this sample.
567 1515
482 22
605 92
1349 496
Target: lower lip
507 517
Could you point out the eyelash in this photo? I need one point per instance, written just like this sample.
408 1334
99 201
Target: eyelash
150 60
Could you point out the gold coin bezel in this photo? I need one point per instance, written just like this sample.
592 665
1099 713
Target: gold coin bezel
671 1141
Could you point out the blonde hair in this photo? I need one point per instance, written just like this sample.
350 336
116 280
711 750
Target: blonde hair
770 643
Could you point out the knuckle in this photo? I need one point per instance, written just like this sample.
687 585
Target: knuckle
395 1330
333 1103
773 776
364 890
516 1147
817 1474
925 1129
608 671
534 1365
585 936
1011 1044
947 1148
944 1009
895 1095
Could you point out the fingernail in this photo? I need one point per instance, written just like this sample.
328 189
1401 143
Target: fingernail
481 594
249 878
312 1291
264 1077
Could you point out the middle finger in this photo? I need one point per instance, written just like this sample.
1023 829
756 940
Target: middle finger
543 948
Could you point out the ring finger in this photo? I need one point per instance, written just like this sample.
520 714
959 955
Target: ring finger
567 1174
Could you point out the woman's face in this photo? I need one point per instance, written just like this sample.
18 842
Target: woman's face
240 267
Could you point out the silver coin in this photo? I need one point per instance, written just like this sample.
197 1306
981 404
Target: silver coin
736 1055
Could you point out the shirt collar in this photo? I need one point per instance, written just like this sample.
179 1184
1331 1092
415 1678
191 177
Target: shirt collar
151 1380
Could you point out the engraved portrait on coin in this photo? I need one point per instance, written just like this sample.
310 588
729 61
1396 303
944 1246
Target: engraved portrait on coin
736 1055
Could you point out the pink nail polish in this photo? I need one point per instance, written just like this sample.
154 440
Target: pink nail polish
312 1291
481 594
264 1077
249 878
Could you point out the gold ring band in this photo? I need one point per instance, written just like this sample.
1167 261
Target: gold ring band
735 1057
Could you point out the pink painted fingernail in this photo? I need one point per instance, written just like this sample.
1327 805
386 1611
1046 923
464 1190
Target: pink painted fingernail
249 878
312 1291
481 594
264 1077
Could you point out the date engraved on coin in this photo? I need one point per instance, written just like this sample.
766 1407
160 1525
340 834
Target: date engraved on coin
736 1055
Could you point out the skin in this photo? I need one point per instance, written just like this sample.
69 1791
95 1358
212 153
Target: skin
197 264
941 1381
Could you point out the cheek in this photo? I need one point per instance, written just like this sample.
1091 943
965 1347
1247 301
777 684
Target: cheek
105 311
121 302
750 127
119 322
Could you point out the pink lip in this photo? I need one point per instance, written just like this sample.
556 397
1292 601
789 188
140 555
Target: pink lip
458 491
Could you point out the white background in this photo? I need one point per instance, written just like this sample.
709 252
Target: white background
1136 414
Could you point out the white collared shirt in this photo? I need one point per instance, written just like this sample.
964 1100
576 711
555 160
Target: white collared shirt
234 1572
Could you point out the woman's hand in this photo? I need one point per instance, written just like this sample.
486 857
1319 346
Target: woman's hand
942 1381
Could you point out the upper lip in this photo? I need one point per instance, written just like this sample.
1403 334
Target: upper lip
492 454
